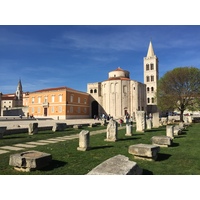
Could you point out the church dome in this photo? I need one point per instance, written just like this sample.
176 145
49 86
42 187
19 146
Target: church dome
118 74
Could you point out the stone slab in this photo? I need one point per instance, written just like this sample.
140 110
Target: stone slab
144 151
12 148
117 165
25 145
3 151
37 143
162 141
57 139
30 160
48 141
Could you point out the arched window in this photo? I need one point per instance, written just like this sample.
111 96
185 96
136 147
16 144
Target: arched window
147 78
152 66
147 89
152 89
91 91
147 66
95 90
152 100
148 100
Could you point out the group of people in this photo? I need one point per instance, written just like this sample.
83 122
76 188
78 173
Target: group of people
103 116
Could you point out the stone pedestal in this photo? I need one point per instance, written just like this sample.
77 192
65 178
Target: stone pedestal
30 160
162 141
140 121
117 165
149 124
170 131
2 131
33 128
144 151
155 120
84 138
129 129
59 127
112 130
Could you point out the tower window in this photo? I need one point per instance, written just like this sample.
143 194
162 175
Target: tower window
152 66
95 90
152 78
91 91
147 66
147 78
148 100
148 89
152 89
152 100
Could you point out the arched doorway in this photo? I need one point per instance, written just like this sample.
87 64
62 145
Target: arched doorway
95 110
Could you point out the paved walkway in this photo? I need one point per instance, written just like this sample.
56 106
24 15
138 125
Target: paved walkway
24 146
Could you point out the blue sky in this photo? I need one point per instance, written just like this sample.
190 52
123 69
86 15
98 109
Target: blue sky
73 55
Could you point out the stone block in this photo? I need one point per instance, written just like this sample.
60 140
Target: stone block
144 151
84 140
177 130
2 131
112 131
30 160
129 129
117 165
59 127
33 128
162 141
77 126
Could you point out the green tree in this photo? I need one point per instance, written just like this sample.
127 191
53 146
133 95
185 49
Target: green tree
179 89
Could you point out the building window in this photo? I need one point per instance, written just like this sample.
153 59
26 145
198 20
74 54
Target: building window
59 109
147 78
147 89
53 98
71 109
152 67
52 109
32 110
148 100
85 101
45 99
95 90
152 89
39 99
71 98
91 91
152 100
147 66
125 89
152 78
33 99
60 97
79 100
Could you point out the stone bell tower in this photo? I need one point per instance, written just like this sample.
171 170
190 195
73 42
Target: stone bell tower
151 78
19 94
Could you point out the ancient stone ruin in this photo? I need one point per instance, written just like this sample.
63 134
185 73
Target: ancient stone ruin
84 140
112 130
30 160
117 165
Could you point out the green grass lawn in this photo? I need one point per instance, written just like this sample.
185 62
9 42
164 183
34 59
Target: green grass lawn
182 158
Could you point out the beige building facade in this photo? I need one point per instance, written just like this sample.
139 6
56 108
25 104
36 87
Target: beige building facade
117 96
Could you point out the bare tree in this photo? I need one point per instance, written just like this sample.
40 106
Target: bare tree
179 89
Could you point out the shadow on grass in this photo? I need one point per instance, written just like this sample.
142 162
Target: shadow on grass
100 147
147 172
174 144
153 130
162 156
53 165
131 138
14 137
